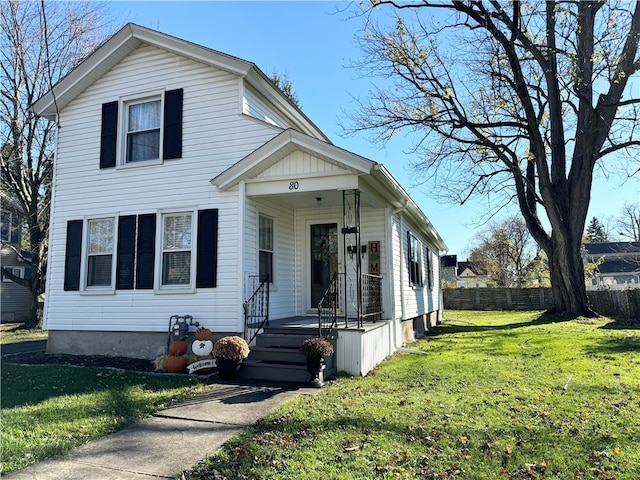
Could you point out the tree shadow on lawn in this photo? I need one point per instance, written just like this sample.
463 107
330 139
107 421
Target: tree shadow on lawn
543 319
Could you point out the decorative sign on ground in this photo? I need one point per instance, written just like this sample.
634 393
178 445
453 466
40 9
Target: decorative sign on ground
200 365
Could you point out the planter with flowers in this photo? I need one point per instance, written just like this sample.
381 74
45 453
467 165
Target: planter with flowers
316 349
229 353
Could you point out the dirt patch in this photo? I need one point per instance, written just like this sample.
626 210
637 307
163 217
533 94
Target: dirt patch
41 358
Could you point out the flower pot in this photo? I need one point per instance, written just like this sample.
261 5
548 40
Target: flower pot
228 369
314 366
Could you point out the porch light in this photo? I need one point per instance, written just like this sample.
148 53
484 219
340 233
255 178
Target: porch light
319 201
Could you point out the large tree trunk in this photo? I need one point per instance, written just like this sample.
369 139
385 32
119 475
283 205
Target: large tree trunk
567 276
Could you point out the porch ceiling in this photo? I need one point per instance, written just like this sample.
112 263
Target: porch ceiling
328 199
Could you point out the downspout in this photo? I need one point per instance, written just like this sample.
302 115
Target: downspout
397 340
241 245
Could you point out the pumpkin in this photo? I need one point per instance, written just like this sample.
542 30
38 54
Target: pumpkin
176 364
203 334
177 347
202 347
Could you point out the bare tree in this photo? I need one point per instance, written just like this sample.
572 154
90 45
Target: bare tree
629 222
505 250
520 99
40 42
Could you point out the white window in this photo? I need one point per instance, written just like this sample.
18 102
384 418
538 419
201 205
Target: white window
100 245
10 227
265 248
17 271
415 259
176 249
143 130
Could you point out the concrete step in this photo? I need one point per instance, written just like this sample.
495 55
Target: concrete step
306 331
277 354
280 340
272 371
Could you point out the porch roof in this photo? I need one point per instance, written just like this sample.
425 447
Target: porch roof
372 174
284 144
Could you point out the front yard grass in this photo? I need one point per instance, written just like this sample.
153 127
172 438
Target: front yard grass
514 395
47 410
14 333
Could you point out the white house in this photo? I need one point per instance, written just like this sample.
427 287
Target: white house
182 174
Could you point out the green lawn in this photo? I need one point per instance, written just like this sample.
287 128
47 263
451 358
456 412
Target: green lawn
14 333
512 395
47 410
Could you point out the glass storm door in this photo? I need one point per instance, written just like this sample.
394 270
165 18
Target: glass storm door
324 258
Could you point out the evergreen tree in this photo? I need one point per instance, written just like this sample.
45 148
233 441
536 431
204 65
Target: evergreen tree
595 232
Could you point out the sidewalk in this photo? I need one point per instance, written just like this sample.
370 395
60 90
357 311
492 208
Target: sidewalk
171 441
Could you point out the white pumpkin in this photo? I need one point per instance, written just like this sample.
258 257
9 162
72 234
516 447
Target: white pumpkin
202 347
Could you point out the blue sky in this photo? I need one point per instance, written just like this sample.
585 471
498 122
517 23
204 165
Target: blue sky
314 43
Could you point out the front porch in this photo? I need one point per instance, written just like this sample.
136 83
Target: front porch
357 349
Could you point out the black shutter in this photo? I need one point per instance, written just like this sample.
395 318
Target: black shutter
73 251
146 251
172 143
126 252
207 248
109 135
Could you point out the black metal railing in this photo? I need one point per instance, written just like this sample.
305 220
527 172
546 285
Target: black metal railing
371 298
256 308
328 307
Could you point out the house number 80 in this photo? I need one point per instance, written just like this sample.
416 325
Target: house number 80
293 185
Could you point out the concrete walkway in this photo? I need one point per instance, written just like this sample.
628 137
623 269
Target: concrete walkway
171 441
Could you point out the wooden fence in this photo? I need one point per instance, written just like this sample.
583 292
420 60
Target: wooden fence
625 303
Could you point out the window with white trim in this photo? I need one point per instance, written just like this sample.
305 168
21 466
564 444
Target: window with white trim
100 246
143 130
177 249
265 247
17 271
415 259
10 227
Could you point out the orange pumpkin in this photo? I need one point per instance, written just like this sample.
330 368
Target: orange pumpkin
176 364
203 334
177 347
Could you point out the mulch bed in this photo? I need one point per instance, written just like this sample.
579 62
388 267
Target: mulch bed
41 358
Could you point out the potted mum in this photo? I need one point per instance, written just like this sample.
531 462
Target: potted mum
315 349
229 353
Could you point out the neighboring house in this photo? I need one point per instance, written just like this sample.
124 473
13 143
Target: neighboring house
449 269
460 274
617 264
182 174
15 300
468 276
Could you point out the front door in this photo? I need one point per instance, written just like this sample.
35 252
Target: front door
324 258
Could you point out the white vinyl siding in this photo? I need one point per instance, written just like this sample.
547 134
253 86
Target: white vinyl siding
255 107
410 299
215 136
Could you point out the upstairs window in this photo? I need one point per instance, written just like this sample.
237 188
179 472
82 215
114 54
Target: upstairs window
176 249
140 129
265 248
100 243
143 133
10 227
415 259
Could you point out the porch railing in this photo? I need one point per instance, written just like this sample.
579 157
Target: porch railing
328 307
371 297
256 308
